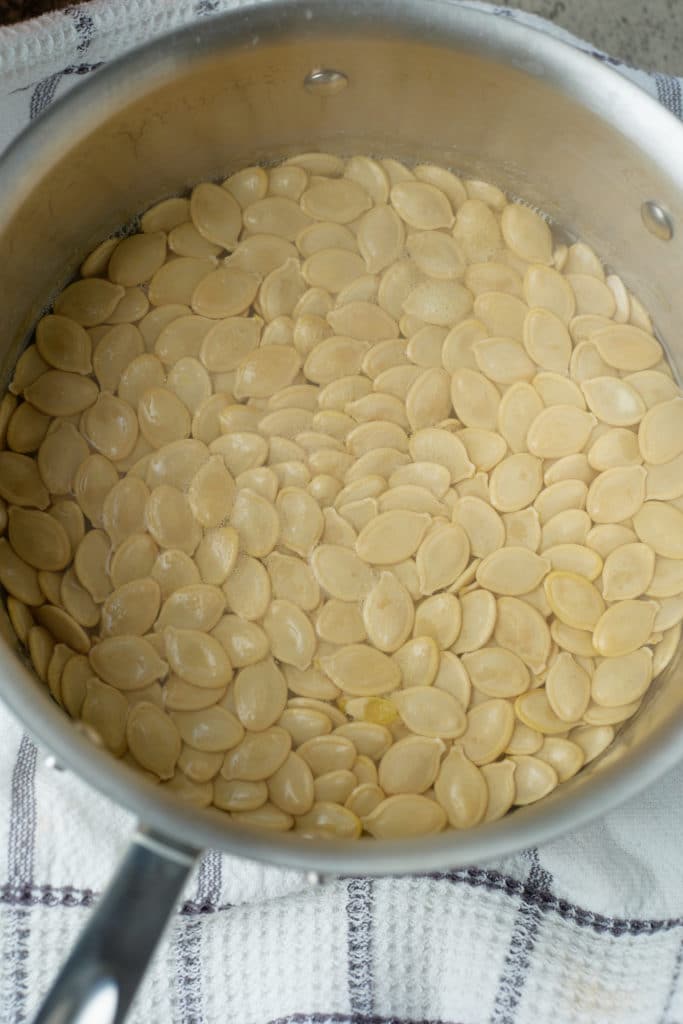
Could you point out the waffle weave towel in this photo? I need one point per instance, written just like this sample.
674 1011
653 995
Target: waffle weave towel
587 930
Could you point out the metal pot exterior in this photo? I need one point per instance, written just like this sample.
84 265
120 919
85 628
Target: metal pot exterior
425 81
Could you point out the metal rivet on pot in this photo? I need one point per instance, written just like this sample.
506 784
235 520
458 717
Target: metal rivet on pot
325 81
657 220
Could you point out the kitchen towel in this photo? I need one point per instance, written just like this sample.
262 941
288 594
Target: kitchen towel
586 930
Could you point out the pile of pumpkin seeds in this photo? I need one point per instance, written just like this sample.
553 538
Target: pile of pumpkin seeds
343 499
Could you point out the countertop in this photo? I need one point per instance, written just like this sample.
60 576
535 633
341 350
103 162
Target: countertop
646 34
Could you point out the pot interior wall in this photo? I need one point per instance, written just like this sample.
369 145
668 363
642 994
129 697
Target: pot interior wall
225 97
202 114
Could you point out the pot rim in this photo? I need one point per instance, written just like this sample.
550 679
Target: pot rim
596 87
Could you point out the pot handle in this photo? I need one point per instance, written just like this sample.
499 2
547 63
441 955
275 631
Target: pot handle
100 978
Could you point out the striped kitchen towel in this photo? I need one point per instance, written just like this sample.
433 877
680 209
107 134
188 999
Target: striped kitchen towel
587 930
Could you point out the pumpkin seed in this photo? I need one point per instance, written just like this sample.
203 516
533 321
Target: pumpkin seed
596 715
132 307
574 558
182 338
667 578
526 233
461 790
403 816
453 678
170 521
338 200
497 672
441 303
361 671
334 786
559 431
547 289
574 599
485 448
477 231
365 771
329 821
290 633
257 756
660 526
518 409
388 613
504 315
500 783
489 730
39 539
568 527
628 572
185 240
61 393
212 730
132 608
568 688
324 754
59 456
301 521
421 205
616 494
437 255
247 588
534 710
340 622
664 481
64 344
370 175
566 757
216 214
652 386
592 739
616 447
418 661
428 399
512 571
666 649
534 779
88 302
622 680
323 235
435 445
627 348
515 482
428 711
268 816
441 558
127 662
614 401
432 476
153 739
304 724
523 630
291 787
624 627
391 537
197 658
238 795
658 434
106 711
482 524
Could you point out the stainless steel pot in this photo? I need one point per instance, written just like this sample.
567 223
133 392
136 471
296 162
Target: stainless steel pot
411 78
